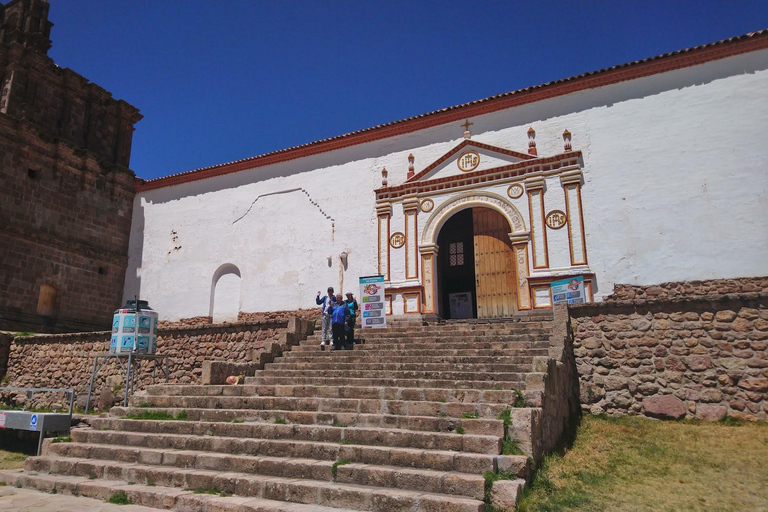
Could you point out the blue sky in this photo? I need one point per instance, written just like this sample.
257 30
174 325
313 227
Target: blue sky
220 80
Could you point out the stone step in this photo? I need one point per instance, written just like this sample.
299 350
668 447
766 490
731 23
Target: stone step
277 379
311 352
370 356
370 392
462 327
487 375
377 436
479 426
431 348
157 467
380 392
161 498
368 366
513 333
354 405
184 449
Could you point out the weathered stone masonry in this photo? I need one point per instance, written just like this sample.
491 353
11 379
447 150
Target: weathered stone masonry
67 193
675 352
66 360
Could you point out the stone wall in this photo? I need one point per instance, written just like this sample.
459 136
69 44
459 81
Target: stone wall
67 193
689 288
66 360
676 355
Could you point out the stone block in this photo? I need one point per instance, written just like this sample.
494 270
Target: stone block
664 407
506 493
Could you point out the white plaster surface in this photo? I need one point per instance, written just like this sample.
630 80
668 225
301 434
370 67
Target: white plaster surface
675 188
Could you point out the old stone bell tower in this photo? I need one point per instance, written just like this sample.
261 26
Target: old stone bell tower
67 192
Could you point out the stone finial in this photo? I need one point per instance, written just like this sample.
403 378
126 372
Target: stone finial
567 140
384 177
532 142
411 171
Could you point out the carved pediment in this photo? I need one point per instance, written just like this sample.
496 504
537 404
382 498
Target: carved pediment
469 157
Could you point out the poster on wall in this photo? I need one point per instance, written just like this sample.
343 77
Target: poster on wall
568 291
372 302
461 305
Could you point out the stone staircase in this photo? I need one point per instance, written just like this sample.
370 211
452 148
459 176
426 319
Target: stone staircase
410 420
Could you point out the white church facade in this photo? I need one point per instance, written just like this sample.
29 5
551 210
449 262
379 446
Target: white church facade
643 173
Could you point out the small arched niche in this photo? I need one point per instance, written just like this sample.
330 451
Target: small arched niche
225 294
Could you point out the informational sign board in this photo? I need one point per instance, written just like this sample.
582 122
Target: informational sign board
461 305
372 302
33 422
568 291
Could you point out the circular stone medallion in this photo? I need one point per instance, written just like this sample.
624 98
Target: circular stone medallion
397 240
556 219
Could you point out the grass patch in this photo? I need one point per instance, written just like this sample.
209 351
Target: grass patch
145 405
335 467
511 447
520 400
470 415
637 464
346 441
157 415
280 421
62 439
338 425
151 415
459 430
236 421
119 498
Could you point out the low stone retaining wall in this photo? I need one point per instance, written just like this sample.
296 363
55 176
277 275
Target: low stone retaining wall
66 360
676 355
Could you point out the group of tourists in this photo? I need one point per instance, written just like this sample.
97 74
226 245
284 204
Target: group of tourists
338 318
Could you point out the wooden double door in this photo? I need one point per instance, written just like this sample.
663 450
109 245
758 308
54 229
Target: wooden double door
476 260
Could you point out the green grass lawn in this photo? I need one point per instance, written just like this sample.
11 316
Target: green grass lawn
638 464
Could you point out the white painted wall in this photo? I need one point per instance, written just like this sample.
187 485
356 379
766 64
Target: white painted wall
676 188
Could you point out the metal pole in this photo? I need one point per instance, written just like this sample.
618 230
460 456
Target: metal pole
90 386
41 426
127 378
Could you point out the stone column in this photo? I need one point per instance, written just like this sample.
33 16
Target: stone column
520 249
428 277
411 210
384 214
571 182
535 188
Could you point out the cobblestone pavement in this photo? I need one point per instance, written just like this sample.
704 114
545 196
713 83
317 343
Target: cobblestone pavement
27 500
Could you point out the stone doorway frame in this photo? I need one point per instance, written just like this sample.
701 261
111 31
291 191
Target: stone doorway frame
428 247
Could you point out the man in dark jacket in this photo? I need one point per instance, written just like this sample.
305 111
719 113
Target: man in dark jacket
340 316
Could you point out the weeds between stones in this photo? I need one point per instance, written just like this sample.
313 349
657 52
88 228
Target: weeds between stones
119 498
158 416
62 439
459 430
470 415
334 468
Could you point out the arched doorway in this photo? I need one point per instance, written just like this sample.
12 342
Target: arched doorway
225 294
476 275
